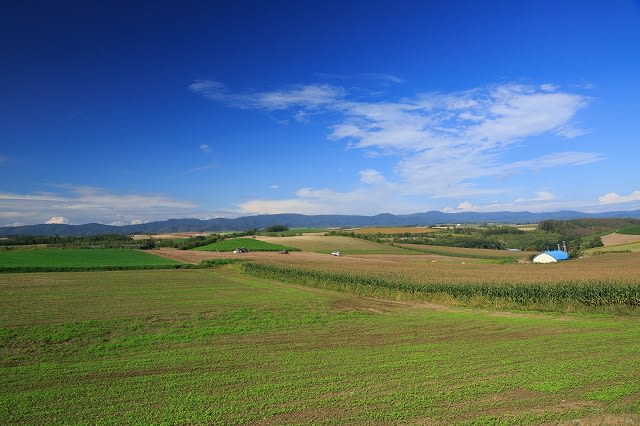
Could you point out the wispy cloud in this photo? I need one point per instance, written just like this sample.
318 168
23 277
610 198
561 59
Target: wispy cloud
446 144
205 148
197 169
301 96
82 204
385 77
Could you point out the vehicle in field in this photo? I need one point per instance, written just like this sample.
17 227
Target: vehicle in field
336 253
241 250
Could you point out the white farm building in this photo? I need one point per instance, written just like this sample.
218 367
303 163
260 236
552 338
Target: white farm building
551 256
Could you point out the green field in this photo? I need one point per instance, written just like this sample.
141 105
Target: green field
222 347
79 258
632 247
633 230
249 243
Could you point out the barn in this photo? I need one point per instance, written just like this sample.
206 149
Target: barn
551 256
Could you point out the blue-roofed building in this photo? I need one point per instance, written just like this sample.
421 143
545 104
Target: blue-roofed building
551 256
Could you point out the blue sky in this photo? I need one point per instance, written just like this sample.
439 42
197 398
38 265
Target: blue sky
128 112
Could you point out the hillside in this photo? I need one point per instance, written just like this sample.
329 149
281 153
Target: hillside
299 221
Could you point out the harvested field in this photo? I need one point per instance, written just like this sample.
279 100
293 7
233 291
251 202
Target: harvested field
328 244
616 239
393 230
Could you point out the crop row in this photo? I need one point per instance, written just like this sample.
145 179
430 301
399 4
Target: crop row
588 292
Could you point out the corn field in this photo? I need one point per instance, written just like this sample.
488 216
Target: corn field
594 292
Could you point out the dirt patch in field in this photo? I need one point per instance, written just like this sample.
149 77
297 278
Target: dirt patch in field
616 239
609 419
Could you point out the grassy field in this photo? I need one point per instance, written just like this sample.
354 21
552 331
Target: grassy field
632 230
249 243
79 258
632 247
471 253
328 244
222 347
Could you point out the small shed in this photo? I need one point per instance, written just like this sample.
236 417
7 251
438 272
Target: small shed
551 256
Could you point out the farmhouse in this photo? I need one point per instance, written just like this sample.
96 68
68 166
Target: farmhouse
551 256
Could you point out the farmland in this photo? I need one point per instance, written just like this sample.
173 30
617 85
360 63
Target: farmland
394 230
328 244
382 335
49 258
223 347
248 243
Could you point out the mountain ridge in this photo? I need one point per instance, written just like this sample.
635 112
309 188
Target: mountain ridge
294 220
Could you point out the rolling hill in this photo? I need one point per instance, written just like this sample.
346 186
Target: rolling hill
299 221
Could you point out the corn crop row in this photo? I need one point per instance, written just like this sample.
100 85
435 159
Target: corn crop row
588 293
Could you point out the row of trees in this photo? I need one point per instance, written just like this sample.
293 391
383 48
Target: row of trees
101 240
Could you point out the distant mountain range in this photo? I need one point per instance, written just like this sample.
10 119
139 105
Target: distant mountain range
302 221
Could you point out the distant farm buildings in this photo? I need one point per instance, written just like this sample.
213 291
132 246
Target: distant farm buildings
551 256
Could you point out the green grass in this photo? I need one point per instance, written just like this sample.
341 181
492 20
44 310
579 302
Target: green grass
45 258
249 243
221 347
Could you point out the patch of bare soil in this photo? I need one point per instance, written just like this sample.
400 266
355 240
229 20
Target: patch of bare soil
609 419
616 239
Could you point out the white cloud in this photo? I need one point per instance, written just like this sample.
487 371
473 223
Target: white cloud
205 148
570 132
371 176
615 198
58 220
327 201
446 144
548 87
82 204
465 205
